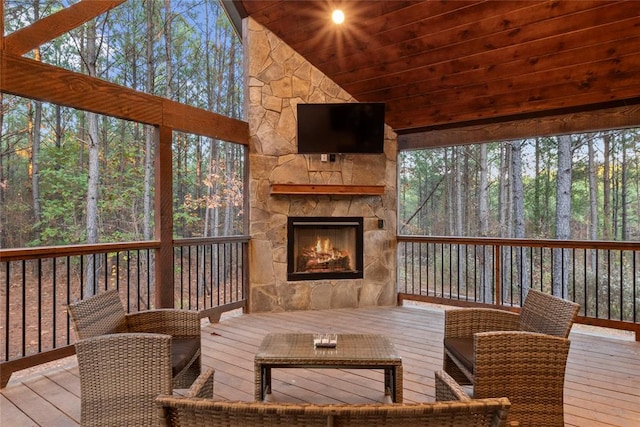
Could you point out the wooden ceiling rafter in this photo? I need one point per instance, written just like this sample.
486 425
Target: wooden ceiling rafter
48 28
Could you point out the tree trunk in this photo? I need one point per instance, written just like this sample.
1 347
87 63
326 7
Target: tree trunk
505 190
448 203
522 270
505 214
593 200
94 162
458 192
606 202
35 152
563 215
537 202
149 131
593 191
483 213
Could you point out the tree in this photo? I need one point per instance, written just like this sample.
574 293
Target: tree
563 215
112 153
606 197
93 142
593 190
149 131
483 213
518 211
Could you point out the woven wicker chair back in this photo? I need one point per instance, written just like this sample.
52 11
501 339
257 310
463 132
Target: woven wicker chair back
98 315
177 411
547 314
120 391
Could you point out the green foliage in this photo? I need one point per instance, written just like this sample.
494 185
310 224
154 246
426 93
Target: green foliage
204 70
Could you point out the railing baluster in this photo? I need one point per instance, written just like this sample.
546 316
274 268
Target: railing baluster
54 301
39 314
7 311
24 310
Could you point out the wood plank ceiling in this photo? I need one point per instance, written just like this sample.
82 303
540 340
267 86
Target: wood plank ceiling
439 64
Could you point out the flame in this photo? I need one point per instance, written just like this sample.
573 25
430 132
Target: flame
321 256
323 246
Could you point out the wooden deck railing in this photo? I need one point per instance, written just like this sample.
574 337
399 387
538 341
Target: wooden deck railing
38 283
210 275
603 277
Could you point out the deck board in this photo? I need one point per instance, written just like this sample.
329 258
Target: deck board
602 385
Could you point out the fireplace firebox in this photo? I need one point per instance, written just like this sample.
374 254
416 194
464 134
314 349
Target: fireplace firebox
324 248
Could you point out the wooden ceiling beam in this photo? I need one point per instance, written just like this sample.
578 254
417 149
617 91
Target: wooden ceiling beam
530 101
584 121
48 28
35 80
43 82
194 120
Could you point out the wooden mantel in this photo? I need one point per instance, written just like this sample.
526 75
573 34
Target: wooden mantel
327 189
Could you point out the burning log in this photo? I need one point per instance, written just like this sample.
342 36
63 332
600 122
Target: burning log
311 260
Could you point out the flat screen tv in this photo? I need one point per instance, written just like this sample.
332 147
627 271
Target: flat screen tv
341 128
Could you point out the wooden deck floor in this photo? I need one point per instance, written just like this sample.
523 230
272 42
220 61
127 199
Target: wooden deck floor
602 384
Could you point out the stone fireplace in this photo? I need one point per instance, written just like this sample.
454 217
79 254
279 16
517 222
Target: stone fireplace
278 79
321 248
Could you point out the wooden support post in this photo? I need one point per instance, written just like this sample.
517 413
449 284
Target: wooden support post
164 217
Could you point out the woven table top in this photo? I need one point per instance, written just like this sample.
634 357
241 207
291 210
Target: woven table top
351 349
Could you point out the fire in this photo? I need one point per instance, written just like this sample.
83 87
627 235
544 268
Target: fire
322 256
323 246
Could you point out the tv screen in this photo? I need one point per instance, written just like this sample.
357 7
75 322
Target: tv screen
341 128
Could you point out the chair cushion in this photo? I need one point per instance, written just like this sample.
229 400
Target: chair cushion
183 351
462 350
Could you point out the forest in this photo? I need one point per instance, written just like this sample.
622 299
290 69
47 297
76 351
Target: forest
69 177
580 186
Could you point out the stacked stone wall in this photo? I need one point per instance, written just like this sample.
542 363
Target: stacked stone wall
278 79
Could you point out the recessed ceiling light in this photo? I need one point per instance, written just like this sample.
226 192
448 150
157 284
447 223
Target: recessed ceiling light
337 16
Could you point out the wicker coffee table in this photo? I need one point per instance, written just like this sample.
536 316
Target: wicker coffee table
353 351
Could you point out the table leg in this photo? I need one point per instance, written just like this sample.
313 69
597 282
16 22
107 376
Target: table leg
262 380
266 384
397 377
389 383
393 383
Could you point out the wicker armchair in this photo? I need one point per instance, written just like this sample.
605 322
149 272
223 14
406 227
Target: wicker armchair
522 357
194 412
103 314
126 360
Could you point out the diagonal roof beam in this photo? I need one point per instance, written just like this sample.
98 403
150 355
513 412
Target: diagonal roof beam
235 12
24 77
26 39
